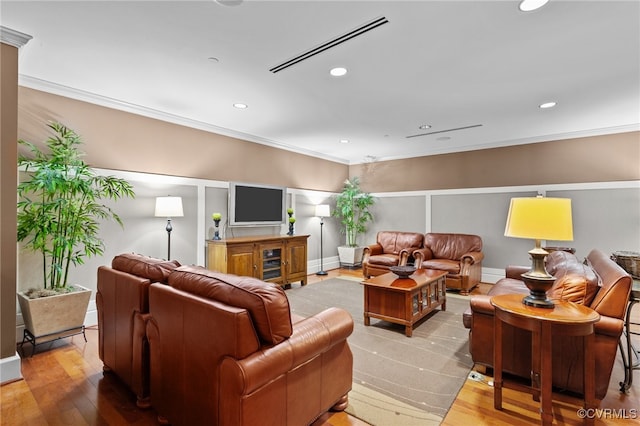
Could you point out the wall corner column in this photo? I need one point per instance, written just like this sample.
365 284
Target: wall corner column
10 43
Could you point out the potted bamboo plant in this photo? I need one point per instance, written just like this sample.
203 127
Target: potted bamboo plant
352 208
59 212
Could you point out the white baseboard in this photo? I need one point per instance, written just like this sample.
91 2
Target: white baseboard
10 370
327 264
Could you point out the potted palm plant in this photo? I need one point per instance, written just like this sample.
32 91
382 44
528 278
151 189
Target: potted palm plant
352 208
59 212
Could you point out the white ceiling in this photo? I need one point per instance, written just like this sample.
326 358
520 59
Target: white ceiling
449 64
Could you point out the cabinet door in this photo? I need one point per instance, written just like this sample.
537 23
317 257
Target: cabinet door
296 260
271 262
241 260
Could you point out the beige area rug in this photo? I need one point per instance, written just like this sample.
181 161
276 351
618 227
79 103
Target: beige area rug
418 377
378 409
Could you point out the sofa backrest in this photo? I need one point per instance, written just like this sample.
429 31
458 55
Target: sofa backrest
452 246
615 285
267 303
155 270
394 242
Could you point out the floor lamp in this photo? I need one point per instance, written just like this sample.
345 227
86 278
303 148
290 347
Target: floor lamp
169 207
322 211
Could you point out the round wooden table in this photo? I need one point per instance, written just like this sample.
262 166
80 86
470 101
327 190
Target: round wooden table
566 319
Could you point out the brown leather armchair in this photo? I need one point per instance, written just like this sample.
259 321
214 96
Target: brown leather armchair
392 248
458 254
225 350
122 300
599 283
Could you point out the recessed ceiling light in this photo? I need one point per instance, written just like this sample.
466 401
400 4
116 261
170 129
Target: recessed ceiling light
424 127
548 105
344 140
229 2
240 106
338 71
531 5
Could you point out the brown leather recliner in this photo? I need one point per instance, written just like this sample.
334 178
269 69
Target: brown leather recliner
225 350
392 248
122 300
599 283
458 254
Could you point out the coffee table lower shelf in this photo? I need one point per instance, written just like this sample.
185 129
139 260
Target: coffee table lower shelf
404 301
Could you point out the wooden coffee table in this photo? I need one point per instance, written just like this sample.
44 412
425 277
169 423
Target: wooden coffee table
404 300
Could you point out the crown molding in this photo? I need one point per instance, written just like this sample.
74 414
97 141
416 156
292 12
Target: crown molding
13 38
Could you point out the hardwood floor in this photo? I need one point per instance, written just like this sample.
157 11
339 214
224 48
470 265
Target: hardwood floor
64 385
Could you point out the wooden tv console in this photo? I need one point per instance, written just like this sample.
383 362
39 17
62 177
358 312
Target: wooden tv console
280 259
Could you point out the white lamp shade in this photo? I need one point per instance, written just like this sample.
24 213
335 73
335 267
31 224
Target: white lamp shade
540 218
322 210
169 207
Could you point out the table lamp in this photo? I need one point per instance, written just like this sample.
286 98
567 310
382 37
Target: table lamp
539 218
169 207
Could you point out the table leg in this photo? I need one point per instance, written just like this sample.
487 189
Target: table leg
589 377
536 351
408 330
367 320
546 409
497 362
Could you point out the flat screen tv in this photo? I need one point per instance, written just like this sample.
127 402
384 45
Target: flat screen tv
256 205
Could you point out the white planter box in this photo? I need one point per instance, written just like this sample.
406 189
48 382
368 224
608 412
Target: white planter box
350 256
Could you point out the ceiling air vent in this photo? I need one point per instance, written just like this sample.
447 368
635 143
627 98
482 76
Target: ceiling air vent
331 43
444 131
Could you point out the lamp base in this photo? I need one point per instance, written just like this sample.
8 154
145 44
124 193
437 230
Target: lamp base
538 287
321 273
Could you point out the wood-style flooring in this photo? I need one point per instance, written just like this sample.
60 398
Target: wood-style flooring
64 385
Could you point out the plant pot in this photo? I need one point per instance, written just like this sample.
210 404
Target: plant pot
53 317
350 256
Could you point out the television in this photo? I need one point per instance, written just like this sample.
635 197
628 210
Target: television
256 205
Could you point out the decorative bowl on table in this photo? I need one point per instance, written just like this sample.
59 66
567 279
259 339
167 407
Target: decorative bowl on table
403 271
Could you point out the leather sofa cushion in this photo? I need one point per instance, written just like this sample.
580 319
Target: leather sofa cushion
451 266
575 287
151 268
266 303
384 259
559 260
394 242
452 246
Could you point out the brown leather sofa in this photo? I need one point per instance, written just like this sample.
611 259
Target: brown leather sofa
458 254
598 283
392 248
225 350
122 299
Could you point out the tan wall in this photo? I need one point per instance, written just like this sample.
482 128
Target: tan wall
8 177
124 141
590 159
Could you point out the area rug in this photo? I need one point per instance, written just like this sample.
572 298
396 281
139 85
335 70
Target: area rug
424 372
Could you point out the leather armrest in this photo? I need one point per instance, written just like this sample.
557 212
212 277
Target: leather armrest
405 254
420 255
481 303
514 271
373 249
609 326
473 257
311 337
